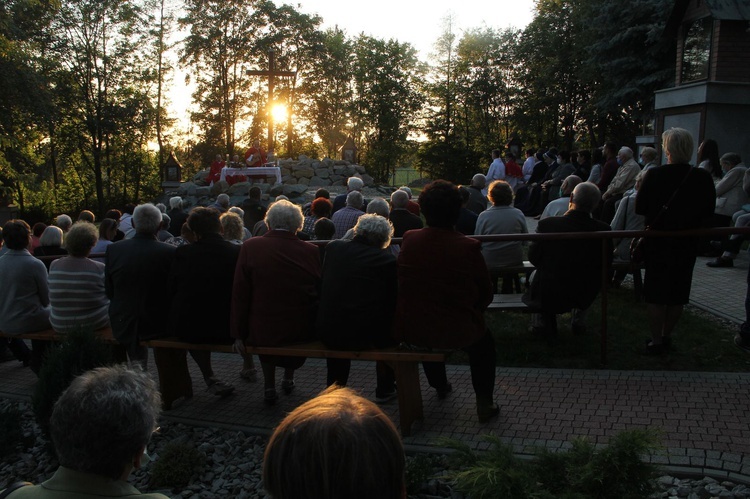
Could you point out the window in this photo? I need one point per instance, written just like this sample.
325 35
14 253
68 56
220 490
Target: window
697 50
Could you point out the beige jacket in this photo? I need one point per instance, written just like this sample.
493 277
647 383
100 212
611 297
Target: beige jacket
624 178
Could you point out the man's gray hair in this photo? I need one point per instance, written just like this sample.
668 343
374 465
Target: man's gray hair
375 229
399 200
223 200
379 206
626 151
569 184
64 222
479 181
104 419
146 219
284 215
406 190
355 199
586 196
175 202
354 183
162 207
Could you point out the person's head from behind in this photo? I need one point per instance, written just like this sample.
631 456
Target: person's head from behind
16 234
441 204
86 216
677 144
175 203
102 423
254 193
335 445
232 225
166 221
322 193
399 200
374 229
114 214
379 206
284 215
406 189
108 229
585 197
321 208
354 184
355 200
147 219
569 184
500 193
478 181
223 200
81 238
52 236
465 195
38 228
203 221
64 222
324 229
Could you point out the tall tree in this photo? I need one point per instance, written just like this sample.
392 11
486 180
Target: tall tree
387 77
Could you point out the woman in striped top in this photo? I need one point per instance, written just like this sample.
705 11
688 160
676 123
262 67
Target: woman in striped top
76 284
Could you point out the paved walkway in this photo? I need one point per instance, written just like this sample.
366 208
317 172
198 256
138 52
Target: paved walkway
704 417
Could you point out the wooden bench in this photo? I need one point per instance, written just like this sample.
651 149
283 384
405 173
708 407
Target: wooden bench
175 382
513 270
52 335
510 302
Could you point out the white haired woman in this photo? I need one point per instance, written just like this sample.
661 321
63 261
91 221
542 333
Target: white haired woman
275 293
359 287
50 244
76 284
674 196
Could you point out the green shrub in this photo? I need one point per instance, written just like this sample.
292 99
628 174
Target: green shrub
10 430
581 472
177 464
419 470
80 351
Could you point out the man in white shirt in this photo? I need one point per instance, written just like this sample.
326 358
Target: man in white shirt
528 165
496 171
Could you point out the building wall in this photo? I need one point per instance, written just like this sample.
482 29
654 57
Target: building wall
730 58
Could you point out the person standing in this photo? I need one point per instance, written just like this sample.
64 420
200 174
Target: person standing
255 156
496 170
674 196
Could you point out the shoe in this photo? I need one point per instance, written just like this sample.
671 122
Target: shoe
740 342
656 349
382 398
249 374
444 391
218 387
287 385
486 413
722 261
270 396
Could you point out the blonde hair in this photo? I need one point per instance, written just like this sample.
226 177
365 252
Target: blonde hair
335 445
678 145
233 226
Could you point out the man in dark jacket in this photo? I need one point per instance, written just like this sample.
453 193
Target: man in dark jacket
134 279
569 271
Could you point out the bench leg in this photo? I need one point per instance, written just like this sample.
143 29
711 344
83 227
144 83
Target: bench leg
174 377
409 394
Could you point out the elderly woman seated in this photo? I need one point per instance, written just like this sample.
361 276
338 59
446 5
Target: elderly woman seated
100 427
335 445
359 287
107 234
320 208
76 284
275 293
24 294
232 227
502 218
50 244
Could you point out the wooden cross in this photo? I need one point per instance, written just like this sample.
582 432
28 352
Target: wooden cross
272 74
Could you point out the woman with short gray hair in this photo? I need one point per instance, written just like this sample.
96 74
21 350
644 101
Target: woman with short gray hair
76 285
50 244
100 427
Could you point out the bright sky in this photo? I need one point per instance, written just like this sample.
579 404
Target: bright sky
418 22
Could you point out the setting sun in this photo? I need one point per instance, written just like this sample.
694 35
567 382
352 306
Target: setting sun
278 112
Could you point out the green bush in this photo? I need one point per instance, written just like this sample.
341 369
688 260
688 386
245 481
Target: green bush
582 472
177 464
80 351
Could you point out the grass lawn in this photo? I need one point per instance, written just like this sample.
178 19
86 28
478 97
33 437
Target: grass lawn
699 343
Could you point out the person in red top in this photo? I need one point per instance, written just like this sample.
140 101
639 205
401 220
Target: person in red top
513 172
255 156
215 173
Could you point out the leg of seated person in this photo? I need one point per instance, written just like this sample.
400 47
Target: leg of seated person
386 379
338 371
436 376
19 350
482 359
203 359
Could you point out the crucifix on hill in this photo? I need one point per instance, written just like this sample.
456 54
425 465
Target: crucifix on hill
272 73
